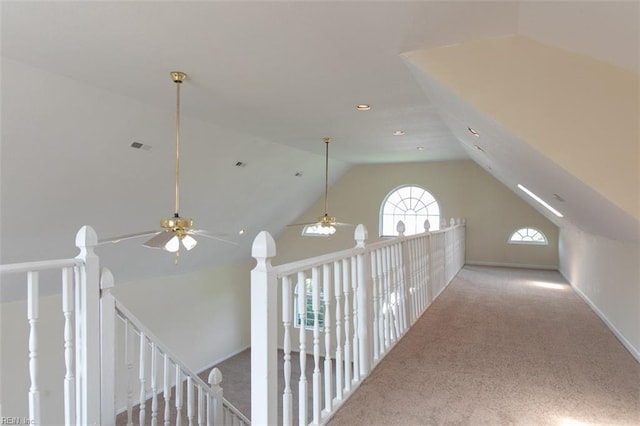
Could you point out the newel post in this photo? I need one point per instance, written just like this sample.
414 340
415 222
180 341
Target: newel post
363 296
214 413
107 348
264 333
88 329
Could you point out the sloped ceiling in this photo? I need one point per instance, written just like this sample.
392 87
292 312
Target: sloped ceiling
82 80
563 125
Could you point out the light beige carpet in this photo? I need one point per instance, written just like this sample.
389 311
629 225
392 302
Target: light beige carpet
502 347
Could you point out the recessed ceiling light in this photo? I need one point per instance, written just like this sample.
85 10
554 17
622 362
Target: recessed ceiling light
241 164
398 133
241 232
298 174
478 147
473 132
363 107
420 148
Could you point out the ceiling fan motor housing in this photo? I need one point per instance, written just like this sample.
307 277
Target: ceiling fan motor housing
327 220
176 224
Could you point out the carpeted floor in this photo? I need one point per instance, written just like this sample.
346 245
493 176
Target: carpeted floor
498 347
502 347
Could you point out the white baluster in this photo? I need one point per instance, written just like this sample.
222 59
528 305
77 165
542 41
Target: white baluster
142 377
154 386
69 376
302 383
190 401
337 282
216 411
346 288
287 315
315 297
77 279
107 348
356 320
179 387
128 359
201 413
394 289
386 267
166 382
376 279
33 314
378 304
328 365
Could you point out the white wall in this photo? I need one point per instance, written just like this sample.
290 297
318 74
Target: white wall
462 188
203 317
606 273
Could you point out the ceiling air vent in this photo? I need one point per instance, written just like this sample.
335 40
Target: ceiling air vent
140 145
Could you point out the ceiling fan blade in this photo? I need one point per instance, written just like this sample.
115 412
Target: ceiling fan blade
160 240
211 235
304 224
127 237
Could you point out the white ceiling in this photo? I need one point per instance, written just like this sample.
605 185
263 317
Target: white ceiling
267 80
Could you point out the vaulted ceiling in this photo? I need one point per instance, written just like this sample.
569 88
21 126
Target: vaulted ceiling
267 81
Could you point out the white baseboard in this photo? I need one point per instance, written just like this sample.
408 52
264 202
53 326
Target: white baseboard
632 350
208 366
511 265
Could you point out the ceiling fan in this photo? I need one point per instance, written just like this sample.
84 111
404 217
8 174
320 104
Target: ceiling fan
174 230
326 225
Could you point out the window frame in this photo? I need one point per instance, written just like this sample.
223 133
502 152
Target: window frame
531 242
434 219
310 314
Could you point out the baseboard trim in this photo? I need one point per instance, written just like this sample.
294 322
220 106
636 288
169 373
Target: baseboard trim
511 265
208 366
628 346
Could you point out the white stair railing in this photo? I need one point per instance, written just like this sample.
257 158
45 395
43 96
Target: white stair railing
91 317
79 278
349 308
194 400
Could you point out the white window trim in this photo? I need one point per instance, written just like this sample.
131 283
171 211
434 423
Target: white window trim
531 242
434 223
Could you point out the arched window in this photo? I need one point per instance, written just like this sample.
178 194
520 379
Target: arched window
412 205
528 236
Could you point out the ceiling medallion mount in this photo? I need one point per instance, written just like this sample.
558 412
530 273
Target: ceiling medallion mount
178 76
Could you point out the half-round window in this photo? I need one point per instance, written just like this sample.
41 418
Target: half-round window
412 205
528 236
